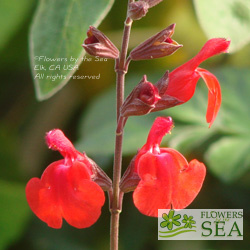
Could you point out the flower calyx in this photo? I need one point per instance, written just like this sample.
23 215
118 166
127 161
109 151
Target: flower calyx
99 176
130 178
157 46
97 44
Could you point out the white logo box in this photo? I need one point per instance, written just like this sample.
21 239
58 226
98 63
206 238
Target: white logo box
200 224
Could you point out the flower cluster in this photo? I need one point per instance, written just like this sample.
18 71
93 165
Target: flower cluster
178 86
160 178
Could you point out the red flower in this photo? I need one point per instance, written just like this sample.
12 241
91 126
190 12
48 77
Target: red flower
66 188
167 180
183 80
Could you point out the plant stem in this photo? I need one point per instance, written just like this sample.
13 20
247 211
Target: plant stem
116 202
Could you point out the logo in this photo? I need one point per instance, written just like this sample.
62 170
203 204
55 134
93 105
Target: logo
200 224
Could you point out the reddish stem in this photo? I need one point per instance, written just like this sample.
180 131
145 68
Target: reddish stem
116 199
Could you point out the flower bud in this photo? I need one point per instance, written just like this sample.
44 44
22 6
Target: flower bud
157 46
141 100
97 44
137 10
147 97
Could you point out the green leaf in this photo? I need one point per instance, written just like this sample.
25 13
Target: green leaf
225 18
58 30
12 15
14 212
229 157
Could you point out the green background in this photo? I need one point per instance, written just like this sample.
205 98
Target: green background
84 110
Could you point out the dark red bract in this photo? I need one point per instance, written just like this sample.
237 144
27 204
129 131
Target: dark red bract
97 44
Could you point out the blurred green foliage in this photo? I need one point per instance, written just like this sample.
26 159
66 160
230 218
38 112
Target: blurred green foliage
84 109
230 20
13 14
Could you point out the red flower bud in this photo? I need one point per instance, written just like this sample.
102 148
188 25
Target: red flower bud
141 100
67 188
97 44
137 10
157 46
145 97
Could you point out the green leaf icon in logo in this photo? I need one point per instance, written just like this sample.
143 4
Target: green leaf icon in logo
170 219
188 221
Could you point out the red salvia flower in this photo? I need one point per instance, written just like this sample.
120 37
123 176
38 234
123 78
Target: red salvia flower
66 188
183 80
166 179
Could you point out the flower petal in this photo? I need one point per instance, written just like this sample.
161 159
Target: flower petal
165 217
65 192
43 203
42 198
188 184
177 217
150 194
167 181
214 94
83 201
170 225
56 140
211 48
164 224
161 126
183 80
171 214
177 223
